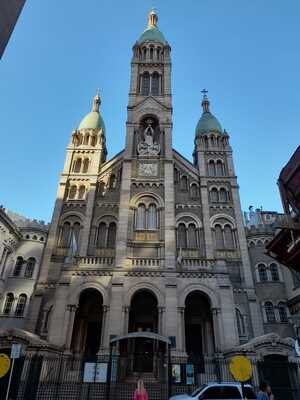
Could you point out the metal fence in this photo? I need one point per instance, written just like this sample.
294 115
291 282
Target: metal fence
44 377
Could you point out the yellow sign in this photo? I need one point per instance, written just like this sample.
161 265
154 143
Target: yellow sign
240 368
4 364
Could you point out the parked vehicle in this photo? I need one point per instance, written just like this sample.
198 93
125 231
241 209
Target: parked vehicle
218 391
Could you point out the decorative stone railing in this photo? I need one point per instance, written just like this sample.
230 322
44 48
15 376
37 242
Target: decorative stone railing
92 262
196 263
146 262
227 254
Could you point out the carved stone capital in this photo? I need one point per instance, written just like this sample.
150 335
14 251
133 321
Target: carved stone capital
72 307
216 310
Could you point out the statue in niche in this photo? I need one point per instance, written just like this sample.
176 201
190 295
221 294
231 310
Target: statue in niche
147 145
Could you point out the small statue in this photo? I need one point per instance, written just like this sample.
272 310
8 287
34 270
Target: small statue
147 146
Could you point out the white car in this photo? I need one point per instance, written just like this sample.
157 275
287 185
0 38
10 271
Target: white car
219 391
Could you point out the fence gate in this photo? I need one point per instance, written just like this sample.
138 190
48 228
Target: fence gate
281 375
139 355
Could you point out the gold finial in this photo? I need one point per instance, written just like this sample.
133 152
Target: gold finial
96 101
205 101
152 17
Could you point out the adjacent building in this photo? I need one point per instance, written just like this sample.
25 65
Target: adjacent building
10 11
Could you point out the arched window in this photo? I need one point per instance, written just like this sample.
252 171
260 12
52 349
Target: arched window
18 266
181 236
152 217
146 84
192 236
176 175
141 217
77 165
223 195
229 237
76 231
93 140
85 167
214 195
111 235
151 53
270 314
282 312
219 237
194 190
101 238
30 267
81 192
9 301
184 183
158 53
240 322
274 272
262 272
101 188
211 168
86 139
65 235
219 168
155 84
21 304
72 192
112 181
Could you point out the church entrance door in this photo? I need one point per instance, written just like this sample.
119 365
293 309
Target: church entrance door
143 317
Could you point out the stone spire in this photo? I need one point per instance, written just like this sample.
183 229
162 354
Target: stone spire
152 18
205 101
96 101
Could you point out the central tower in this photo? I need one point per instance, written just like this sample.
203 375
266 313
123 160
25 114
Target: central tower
147 184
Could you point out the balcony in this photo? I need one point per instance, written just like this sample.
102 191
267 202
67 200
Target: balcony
139 262
227 254
95 262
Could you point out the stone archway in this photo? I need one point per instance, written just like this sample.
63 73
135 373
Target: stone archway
86 336
199 333
143 317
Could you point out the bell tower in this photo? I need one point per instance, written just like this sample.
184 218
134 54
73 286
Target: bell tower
148 153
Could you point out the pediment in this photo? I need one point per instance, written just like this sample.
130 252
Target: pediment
150 105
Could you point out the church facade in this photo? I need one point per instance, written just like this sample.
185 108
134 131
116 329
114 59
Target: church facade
149 241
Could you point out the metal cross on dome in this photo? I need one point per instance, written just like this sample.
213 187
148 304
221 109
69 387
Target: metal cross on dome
204 92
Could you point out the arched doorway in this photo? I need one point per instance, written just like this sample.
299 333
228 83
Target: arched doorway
280 374
87 328
143 317
199 335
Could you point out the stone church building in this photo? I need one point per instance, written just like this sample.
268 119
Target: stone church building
149 241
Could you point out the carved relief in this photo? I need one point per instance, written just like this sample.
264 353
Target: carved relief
148 142
147 169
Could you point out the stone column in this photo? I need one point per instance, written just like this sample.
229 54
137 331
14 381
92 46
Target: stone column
85 232
161 322
69 324
216 313
121 240
126 311
181 329
104 336
208 237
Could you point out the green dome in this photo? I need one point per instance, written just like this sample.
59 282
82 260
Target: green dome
208 123
92 120
153 34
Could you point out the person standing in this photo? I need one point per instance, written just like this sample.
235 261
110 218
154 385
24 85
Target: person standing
269 393
140 392
263 391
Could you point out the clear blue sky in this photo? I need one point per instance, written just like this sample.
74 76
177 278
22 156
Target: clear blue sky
246 53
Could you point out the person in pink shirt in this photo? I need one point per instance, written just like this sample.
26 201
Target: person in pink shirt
140 392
